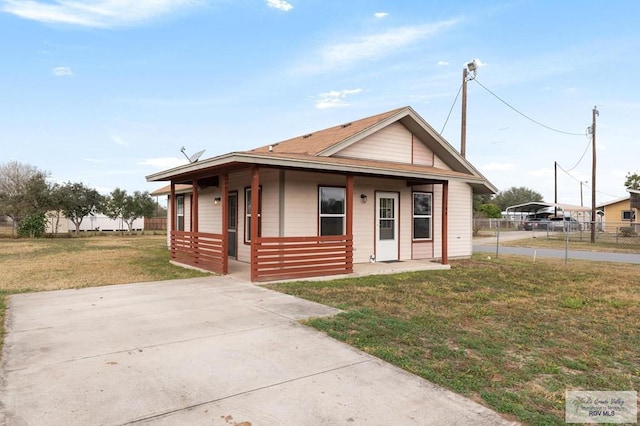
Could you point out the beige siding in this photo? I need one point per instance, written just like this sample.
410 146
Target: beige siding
393 143
460 219
301 201
422 155
270 202
437 162
423 250
210 219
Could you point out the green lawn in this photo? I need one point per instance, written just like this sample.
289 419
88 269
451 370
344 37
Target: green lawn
508 333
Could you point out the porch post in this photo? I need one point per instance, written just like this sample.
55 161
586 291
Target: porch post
349 224
445 223
173 207
225 222
255 187
194 221
194 206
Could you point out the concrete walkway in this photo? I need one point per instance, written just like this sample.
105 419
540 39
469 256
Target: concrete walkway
214 351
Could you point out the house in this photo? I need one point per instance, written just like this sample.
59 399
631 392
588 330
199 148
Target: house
620 212
384 188
57 223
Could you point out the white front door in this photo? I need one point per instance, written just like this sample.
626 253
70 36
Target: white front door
386 226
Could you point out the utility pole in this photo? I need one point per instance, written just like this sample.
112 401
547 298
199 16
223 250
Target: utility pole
593 175
473 67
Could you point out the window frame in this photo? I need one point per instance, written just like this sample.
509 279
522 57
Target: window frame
180 202
342 215
630 215
415 216
247 213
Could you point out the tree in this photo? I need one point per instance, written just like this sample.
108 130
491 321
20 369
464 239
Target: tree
78 201
24 191
490 210
479 200
632 181
119 204
515 195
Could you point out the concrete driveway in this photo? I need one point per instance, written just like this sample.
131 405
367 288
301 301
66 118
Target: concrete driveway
214 351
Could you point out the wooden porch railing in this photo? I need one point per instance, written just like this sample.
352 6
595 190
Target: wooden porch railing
275 258
199 249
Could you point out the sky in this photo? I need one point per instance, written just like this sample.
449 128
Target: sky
106 92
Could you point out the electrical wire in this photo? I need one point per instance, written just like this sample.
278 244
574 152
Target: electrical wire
524 115
451 109
582 157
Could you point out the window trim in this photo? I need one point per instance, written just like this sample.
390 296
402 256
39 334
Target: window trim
180 197
247 214
414 216
344 207
631 215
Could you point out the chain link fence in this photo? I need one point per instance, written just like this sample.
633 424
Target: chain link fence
620 234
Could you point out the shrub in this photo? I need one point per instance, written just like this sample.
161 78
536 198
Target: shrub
33 226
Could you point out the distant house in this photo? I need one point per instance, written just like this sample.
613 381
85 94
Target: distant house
620 212
384 188
98 222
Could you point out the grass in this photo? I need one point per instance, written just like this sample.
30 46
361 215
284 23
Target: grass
63 263
507 333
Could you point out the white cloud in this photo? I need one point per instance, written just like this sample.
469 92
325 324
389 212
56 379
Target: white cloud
372 47
93 160
499 166
163 162
119 141
381 15
62 72
94 13
334 98
443 63
280 4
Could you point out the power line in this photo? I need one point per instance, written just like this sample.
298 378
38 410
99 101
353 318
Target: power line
585 184
524 115
583 154
451 109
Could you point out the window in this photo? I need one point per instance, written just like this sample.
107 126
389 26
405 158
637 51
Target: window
179 212
386 211
628 215
247 214
332 210
422 215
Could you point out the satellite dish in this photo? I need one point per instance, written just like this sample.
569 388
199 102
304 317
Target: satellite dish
195 157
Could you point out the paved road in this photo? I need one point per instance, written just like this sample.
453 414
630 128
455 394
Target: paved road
560 254
210 351
488 245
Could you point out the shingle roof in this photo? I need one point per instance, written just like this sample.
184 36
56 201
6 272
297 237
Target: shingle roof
316 142
167 189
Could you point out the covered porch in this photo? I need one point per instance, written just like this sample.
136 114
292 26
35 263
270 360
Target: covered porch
280 256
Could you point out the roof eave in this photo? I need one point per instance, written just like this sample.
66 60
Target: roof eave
316 163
